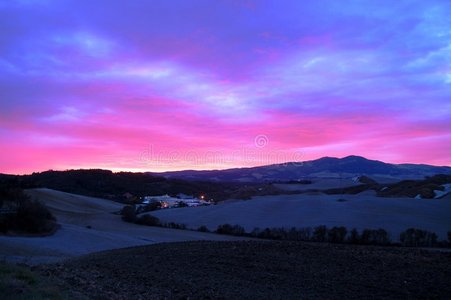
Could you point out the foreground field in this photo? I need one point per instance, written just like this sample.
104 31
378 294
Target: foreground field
19 282
361 211
258 270
87 225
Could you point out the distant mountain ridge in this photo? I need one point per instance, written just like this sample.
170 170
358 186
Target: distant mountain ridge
324 167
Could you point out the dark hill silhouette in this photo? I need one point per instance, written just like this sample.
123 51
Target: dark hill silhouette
216 184
128 187
324 167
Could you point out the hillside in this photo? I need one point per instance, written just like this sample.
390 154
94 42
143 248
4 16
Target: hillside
127 187
361 211
87 225
324 167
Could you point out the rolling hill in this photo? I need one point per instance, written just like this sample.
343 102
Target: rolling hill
326 167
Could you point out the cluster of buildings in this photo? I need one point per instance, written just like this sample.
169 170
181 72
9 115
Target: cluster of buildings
167 201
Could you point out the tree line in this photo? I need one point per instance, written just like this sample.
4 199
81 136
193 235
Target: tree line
411 237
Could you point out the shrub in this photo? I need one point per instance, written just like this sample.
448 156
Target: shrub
150 207
129 213
231 230
203 228
148 220
449 237
174 225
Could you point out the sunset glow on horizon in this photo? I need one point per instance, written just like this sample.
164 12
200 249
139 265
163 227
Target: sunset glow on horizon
172 85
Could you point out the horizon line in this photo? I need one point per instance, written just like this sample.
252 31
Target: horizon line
136 170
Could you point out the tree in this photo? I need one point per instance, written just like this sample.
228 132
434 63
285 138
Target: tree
375 237
24 214
337 234
33 216
354 237
305 233
224 229
320 233
414 237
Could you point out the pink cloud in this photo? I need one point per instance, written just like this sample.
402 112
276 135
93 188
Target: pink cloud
105 88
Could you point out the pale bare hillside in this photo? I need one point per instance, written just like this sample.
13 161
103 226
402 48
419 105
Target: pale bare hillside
87 225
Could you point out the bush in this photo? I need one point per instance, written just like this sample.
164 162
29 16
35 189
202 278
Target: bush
174 225
413 237
150 207
231 230
148 220
129 214
449 237
203 228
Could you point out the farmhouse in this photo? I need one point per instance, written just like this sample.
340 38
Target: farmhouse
168 201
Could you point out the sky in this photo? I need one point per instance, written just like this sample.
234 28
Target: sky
171 85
